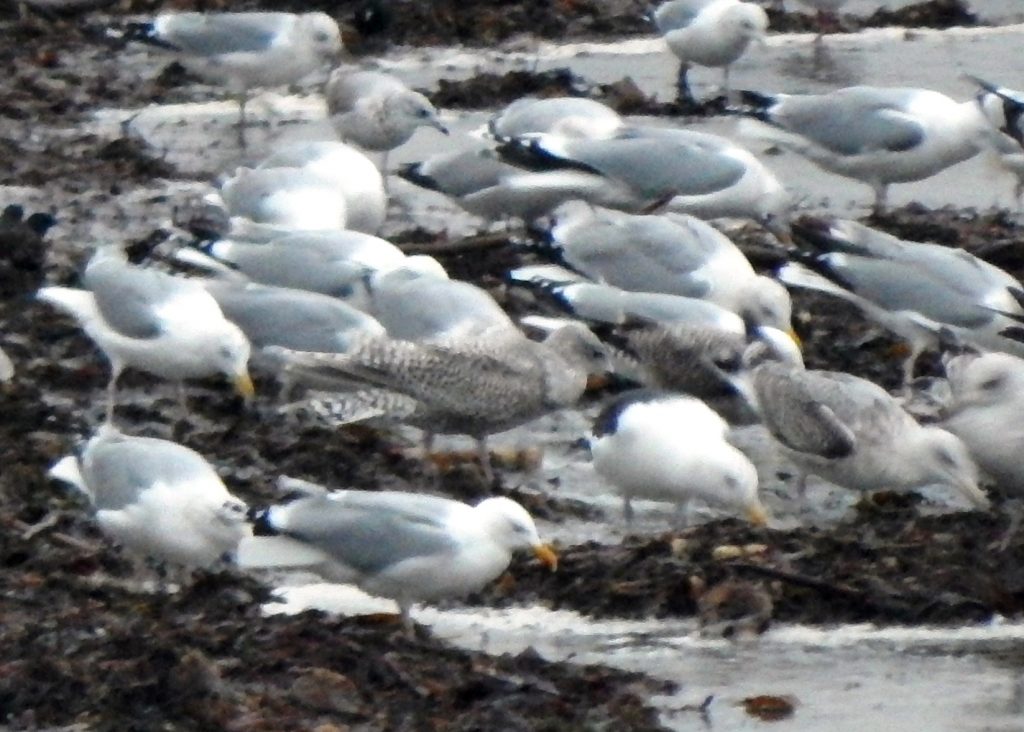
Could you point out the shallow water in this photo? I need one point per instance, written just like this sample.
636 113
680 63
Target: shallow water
849 678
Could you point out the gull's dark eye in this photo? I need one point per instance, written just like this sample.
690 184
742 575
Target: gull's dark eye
322 37
994 383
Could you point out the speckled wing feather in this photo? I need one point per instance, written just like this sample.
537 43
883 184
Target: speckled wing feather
795 415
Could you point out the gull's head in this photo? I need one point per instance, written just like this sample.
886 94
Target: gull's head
748 21
232 357
324 35
986 380
739 488
766 302
578 345
943 458
409 110
510 526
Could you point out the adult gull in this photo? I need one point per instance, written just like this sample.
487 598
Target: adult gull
157 498
409 547
152 321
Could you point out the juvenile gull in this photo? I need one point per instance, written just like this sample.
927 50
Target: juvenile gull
376 111
351 172
157 498
852 433
408 547
875 135
245 50
667 447
987 413
475 387
141 318
708 33
676 255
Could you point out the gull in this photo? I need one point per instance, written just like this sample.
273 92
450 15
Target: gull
987 413
642 168
152 321
673 254
852 432
268 202
245 50
708 33
336 263
1004 109
476 386
287 318
922 292
416 304
376 111
564 116
872 134
668 447
409 547
157 498
351 172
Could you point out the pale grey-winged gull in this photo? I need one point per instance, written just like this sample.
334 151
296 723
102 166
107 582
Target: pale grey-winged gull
152 321
644 167
1004 108
676 255
565 116
271 202
603 303
474 387
987 413
708 33
483 184
417 305
667 447
873 134
353 173
157 498
409 547
245 50
334 263
376 111
851 432
910 300
288 318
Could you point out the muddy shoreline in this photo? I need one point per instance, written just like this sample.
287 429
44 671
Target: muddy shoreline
77 628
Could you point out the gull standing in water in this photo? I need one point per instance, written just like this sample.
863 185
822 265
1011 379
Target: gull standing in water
245 50
141 318
872 134
708 33
409 547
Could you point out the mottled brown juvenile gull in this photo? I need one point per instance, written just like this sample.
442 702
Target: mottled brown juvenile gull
409 547
141 318
708 33
475 387
853 433
157 498
668 447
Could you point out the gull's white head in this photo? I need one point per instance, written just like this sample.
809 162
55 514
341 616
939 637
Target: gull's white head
510 526
323 33
989 379
231 356
746 20
407 110
767 302
941 457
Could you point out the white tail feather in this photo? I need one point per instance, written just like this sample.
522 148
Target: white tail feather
268 552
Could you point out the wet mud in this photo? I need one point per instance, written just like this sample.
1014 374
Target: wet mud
84 644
